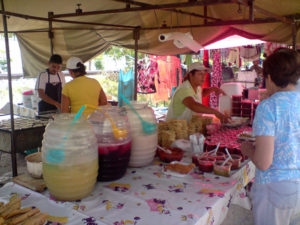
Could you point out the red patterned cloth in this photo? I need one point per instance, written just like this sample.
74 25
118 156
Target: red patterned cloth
205 58
206 84
216 79
146 77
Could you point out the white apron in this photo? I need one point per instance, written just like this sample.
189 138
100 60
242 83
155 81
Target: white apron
187 113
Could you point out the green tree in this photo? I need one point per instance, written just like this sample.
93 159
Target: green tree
98 62
117 53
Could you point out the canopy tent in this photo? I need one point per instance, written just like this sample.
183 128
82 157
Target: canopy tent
87 29
56 26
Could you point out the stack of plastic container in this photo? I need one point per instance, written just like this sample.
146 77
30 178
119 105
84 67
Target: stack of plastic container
236 105
246 110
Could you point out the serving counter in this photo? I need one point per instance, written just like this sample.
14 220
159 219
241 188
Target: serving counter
28 134
148 196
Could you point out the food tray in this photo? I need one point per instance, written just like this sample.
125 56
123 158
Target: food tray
245 138
174 173
237 121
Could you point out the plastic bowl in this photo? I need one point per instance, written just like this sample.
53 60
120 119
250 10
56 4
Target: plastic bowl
219 156
34 165
236 162
206 164
222 170
175 155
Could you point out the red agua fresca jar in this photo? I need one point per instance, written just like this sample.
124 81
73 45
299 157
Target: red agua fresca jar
114 152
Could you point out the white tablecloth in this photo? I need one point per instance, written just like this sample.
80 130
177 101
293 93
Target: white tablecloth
148 196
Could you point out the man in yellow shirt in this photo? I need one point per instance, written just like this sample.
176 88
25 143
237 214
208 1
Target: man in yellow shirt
81 90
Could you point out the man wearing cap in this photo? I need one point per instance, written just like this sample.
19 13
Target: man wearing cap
81 90
259 80
49 85
187 99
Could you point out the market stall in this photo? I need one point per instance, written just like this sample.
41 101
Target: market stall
147 194
204 197
45 29
151 187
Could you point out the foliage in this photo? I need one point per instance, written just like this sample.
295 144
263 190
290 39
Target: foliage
3 61
19 86
116 53
3 65
98 62
109 86
10 35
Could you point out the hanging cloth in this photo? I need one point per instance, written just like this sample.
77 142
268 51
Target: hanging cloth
170 75
175 70
205 58
146 77
216 79
234 56
162 93
249 53
126 86
206 84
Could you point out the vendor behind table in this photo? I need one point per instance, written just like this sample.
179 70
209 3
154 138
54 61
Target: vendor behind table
81 90
187 99
49 85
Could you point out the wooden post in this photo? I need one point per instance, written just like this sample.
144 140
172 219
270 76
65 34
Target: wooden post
136 37
12 134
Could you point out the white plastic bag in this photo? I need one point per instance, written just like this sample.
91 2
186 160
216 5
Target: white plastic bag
197 142
183 144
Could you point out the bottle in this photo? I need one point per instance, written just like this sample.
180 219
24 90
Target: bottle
144 146
70 159
114 152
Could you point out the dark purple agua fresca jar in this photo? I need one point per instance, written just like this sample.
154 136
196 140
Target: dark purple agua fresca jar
114 141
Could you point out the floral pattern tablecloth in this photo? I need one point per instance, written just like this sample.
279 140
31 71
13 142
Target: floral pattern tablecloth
146 196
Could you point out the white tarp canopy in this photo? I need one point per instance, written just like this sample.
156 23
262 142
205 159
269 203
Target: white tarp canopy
101 23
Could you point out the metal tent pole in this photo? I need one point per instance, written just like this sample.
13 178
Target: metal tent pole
294 34
136 36
50 32
12 134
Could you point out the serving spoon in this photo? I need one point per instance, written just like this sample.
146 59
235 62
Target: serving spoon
147 127
119 133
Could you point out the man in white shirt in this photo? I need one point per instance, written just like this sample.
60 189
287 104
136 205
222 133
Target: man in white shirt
49 85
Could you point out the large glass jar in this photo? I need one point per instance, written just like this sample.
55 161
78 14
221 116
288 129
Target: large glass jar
114 151
70 159
144 145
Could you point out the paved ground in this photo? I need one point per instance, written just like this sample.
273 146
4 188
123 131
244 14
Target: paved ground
236 214
6 168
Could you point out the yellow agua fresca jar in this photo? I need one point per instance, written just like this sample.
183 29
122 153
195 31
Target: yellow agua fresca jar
70 158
